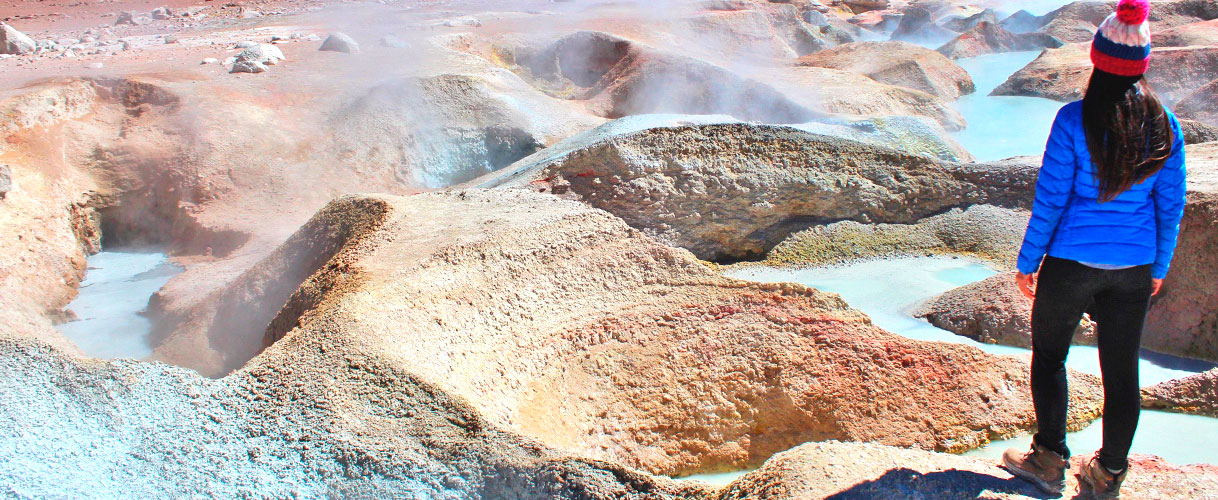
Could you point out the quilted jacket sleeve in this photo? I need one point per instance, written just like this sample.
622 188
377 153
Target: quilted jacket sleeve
1053 187
1169 192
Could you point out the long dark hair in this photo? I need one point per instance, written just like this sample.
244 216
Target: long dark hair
1128 133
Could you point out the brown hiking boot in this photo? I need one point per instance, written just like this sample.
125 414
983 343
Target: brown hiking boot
1094 478
1044 468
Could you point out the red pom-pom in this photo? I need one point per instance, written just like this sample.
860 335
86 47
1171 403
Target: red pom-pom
1133 11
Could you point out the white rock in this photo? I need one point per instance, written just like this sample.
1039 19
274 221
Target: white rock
6 180
96 65
210 60
245 44
263 53
340 42
15 42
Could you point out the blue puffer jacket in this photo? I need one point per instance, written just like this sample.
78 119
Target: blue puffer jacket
1138 227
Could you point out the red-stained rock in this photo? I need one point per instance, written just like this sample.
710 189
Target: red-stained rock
1193 34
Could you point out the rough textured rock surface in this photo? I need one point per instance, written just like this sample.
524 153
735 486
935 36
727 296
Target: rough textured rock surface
991 311
897 63
846 470
732 191
918 26
624 353
1062 74
982 231
6 180
1201 105
1196 132
989 38
1194 394
1200 33
1183 318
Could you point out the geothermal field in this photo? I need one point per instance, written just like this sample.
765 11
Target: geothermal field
584 249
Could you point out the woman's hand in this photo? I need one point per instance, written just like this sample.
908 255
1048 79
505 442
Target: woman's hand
1155 285
1027 284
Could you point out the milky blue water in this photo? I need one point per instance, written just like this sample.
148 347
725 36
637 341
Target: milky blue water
890 290
1002 126
114 292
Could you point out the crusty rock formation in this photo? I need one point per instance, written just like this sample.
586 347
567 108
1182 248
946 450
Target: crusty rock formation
1196 132
1062 74
989 38
848 470
991 311
708 189
1183 319
1194 394
897 63
1201 105
339 42
918 26
1193 34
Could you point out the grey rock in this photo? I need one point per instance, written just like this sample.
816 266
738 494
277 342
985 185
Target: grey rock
6 180
15 42
248 67
133 18
161 13
340 42
245 45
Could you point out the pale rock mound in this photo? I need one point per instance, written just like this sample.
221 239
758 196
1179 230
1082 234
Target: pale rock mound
709 189
991 311
1196 132
897 63
263 53
989 38
1195 394
1062 74
849 470
339 42
15 42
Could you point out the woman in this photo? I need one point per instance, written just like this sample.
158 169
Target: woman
1109 198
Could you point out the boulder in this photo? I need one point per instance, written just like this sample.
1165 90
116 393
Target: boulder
1197 394
339 42
833 470
1193 34
1022 22
1200 105
1183 318
263 53
963 24
132 18
161 13
897 63
918 26
992 311
6 180
1062 74
732 191
1196 132
15 42
248 67
989 38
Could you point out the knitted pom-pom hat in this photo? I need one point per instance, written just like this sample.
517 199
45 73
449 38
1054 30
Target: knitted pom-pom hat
1122 44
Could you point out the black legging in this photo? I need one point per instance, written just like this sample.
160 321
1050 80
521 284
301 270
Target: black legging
1118 299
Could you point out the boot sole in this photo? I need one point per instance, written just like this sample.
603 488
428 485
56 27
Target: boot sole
1054 488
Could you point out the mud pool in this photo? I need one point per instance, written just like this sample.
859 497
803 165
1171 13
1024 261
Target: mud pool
889 290
1002 126
112 297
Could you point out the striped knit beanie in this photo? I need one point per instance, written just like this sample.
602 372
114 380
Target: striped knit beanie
1122 44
